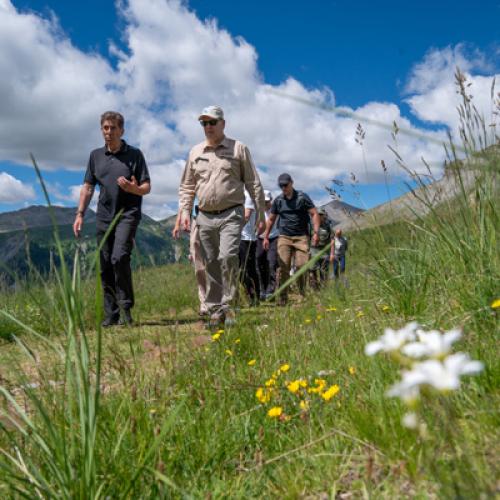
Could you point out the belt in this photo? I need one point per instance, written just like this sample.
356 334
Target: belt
218 212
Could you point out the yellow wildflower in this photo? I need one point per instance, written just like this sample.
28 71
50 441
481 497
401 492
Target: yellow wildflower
284 368
220 332
237 341
319 388
386 308
352 370
294 386
252 362
270 383
229 352
263 395
307 321
327 395
152 411
275 412
331 309
304 405
303 382
216 336
495 304
318 317
360 314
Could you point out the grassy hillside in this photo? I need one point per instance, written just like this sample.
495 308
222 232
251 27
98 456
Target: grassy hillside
285 403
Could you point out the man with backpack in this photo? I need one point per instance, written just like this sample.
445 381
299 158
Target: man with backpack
294 209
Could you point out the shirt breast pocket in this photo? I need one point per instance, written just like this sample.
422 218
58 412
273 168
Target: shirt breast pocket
230 166
201 168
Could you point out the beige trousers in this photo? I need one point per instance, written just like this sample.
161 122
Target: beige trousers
219 242
288 247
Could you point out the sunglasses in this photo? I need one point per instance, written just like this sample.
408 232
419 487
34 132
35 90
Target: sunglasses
204 123
283 186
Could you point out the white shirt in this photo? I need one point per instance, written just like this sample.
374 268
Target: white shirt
248 232
275 232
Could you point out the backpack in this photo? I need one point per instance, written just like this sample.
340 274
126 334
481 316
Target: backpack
280 200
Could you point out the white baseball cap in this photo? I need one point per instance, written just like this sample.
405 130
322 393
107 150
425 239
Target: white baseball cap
212 112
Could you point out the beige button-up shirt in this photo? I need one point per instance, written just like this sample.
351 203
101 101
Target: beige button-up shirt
218 176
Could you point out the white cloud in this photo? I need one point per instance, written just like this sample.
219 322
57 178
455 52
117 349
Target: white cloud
12 190
174 65
432 85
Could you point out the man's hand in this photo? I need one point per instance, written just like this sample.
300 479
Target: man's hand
315 240
176 232
186 224
265 244
128 186
77 225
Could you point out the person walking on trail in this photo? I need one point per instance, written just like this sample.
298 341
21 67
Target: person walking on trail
337 253
122 175
318 274
294 209
217 171
195 257
267 260
248 261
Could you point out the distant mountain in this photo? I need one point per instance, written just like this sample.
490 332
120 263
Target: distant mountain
39 216
412 204
27 240
339 212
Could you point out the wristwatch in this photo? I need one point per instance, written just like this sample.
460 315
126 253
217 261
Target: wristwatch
80 212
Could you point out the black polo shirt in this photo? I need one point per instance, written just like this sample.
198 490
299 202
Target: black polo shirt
293 212
104 168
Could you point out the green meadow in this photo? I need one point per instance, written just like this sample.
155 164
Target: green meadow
169 409
285 403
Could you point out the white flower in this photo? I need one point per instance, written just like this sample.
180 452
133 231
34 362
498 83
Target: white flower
392 340
433 344
443 376
410 420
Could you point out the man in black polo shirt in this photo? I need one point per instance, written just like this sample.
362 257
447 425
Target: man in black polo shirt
294 209
123 178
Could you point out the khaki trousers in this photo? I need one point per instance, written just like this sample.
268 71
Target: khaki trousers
220 242
199 264
288 247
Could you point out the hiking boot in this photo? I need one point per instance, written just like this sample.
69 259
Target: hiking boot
282 301
108 322
216 319
126 318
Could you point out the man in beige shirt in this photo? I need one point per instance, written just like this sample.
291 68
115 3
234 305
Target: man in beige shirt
217 172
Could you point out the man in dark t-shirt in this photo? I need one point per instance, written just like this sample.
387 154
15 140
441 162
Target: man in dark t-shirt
294 209
122 175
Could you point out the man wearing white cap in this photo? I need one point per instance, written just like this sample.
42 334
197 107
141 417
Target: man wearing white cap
217 171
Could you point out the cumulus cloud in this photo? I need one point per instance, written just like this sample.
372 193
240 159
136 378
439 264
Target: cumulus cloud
12 190
432 85
173 65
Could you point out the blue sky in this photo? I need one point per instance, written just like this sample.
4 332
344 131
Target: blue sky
384 60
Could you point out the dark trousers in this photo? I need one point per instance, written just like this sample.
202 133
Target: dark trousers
338 265
116 274
248 269
267 264
320 268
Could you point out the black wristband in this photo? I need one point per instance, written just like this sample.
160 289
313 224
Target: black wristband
80 212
